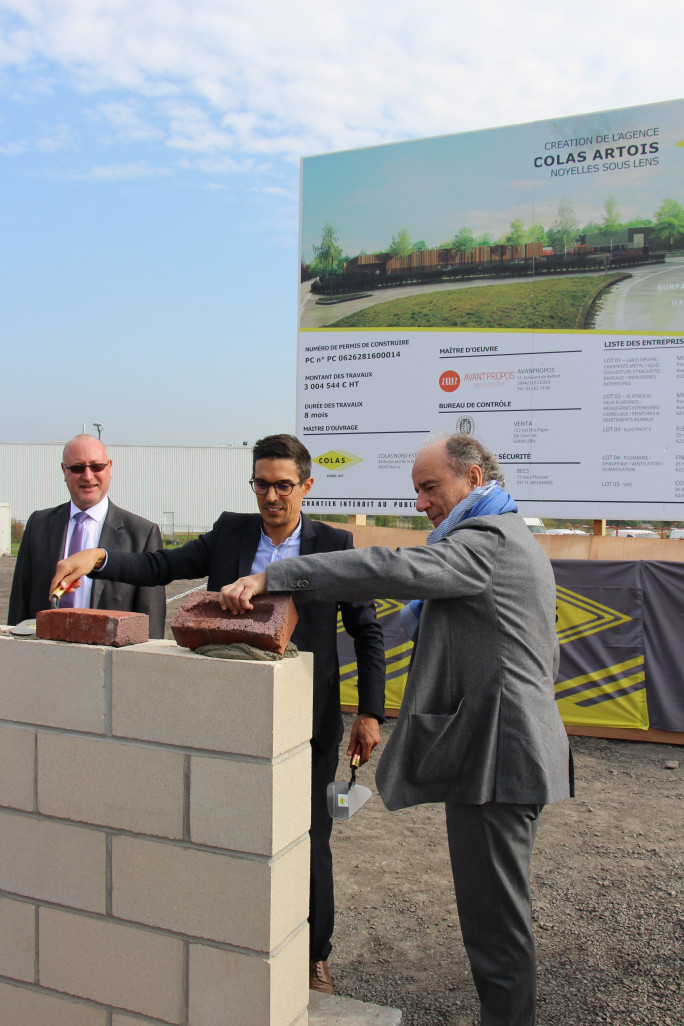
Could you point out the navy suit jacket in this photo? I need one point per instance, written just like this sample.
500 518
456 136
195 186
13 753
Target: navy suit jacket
226 553
42 546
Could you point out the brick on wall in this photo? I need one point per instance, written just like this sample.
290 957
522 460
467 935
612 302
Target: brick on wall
112 963
270 990
177 697
17 759
51 861
130 787
53 685
247 902
17 939
249 806
23 1007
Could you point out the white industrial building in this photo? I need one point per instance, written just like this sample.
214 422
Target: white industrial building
180 487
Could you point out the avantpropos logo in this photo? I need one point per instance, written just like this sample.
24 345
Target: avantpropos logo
449 381
337 459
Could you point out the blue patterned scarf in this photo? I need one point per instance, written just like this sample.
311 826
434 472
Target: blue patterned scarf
487 500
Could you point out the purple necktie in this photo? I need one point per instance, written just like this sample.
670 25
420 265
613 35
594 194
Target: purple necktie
69 600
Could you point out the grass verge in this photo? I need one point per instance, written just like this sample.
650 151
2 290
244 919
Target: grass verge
546 305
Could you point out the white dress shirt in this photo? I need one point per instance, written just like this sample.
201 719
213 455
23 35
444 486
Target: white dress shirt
92 529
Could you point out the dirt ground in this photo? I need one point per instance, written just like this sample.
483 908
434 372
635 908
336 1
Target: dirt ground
608 888
608 895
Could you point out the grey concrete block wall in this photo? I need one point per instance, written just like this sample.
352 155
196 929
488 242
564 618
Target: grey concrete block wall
154 813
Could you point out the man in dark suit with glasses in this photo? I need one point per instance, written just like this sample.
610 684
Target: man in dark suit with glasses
244 543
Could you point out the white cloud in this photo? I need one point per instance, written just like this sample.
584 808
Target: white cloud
278 190
192 129
220 165
127 122
280 80
59 138
14 149
119 172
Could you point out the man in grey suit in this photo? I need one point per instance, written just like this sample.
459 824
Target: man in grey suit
478 728
87 471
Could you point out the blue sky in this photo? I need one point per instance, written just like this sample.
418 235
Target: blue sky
149 174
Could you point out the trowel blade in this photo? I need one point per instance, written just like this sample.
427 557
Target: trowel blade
358 796
338 799
25 629
344 800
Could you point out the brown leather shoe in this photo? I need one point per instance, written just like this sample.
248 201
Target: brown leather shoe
320 978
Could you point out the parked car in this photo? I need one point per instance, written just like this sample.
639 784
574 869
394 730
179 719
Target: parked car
536 525
677 532
636 532
566 530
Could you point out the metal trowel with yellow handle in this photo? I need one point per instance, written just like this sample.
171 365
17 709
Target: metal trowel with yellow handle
346 799
58 593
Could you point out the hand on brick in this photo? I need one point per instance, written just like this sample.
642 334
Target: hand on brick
70 570
236 597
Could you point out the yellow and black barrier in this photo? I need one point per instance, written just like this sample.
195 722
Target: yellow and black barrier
620 627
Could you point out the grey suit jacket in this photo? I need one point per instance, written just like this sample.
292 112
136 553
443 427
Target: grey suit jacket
43 545
479 721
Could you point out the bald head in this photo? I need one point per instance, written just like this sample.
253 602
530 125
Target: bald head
439 487
87 470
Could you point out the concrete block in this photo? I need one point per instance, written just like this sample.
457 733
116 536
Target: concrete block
247 902
201 621
248 806
258 991
52 861
17 939
124 1019
111 627
52 685
176 697
113 963
332 1010
17 773
23 1007
113 784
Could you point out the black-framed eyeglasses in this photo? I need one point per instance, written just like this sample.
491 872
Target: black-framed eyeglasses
261 487
80 468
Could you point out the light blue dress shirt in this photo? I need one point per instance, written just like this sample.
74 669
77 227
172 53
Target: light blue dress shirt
267 552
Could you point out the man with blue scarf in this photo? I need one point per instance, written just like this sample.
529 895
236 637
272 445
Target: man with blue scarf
483 500
478 728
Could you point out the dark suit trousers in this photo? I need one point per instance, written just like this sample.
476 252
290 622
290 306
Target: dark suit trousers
321 894
491 846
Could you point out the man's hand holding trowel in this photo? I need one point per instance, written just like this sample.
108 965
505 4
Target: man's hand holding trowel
69 571
344 799
365 733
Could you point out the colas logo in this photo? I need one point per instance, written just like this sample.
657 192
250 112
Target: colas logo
449 381
337 459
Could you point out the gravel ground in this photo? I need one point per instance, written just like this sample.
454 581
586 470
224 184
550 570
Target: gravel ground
607 888
607 884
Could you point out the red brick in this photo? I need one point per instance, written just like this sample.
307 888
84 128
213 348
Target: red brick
93 626
201 621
